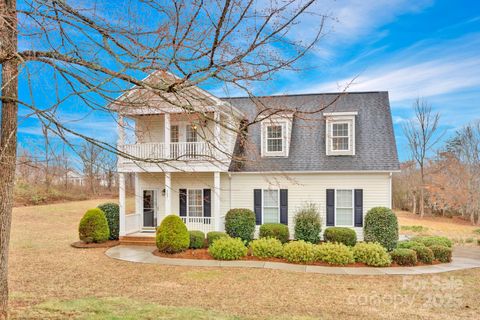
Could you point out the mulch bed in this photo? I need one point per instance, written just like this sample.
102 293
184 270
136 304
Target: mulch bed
84 245
202 254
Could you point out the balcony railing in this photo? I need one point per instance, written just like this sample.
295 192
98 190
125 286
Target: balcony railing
182 151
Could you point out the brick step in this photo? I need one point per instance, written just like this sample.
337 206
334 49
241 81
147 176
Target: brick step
137 241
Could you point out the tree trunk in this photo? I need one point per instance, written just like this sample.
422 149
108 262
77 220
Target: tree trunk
8 137
414 202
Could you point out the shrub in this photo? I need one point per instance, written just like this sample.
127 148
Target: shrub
346 236
299 252
334 253
93 226
424 254
429 241
417 229
112 213
197 239
372 254
266 248
404 257
275 230
240 223
214 235
469 240
227 248
172 235
442 253
381 226
308 224
477 231
409 244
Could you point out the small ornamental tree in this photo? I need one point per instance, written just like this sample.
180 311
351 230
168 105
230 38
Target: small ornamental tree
93 227
172 235
112 213
381 226
240 223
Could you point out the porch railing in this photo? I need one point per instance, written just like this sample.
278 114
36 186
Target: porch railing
182 151
205 224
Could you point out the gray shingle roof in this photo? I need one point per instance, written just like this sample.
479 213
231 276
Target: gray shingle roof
374 137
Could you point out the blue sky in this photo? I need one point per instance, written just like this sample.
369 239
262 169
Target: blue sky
424 48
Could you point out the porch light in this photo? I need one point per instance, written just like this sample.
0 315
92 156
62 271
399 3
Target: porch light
163 192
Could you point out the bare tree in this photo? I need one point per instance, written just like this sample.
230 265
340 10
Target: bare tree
92 157
422 134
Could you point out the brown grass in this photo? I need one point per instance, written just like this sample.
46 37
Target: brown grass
50 279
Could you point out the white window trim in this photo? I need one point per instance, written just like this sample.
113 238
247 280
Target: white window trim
264 135
263 197
188 205
353 208
340 117
348 136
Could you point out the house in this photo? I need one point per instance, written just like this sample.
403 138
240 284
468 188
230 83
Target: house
336 150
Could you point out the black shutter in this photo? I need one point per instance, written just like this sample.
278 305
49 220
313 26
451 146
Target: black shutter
183 202
358 207
330 207
207 203
284 206
257 205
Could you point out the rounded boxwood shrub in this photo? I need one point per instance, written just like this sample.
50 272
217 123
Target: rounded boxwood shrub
299 252
409 244
429 241
240 223
424 254
112 213
197 239
214 235
347 236
93 227
381 226
227 248
372 254
404 257
442 253
266 248
275 230
334 253
172 235
308 224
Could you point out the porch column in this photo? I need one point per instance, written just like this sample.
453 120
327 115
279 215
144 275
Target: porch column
216 201
121 135
167 135
121 200
217 132
168 192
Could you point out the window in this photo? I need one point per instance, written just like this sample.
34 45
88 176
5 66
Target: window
191 133
174 134
340 136
344 208
271 206
195 202
274 138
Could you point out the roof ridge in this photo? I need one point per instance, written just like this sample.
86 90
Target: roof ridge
305 94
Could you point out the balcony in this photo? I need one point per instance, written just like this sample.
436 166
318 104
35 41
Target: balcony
157 151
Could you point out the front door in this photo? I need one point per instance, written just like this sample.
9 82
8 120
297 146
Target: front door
149 204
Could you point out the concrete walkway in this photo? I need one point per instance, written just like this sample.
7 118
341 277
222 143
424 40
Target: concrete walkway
463 258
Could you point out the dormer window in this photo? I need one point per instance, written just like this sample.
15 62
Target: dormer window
276 133
274 138
340 133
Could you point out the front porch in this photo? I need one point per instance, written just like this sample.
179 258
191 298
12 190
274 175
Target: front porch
195 197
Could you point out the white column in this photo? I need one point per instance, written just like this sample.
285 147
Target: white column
121 134
217 135
167 135
168 193
216 201
121 200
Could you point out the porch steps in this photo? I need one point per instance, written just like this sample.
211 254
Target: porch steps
138 240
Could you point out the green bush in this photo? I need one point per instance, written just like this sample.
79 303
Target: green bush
417 229
214 235
299 252
372 254
334 253
275 230
381 226
197 239
347 236
404 257
266 248
429 241
409 244
172 235
442 253
308 224
240 223
112 213
227 248
93 227
424 254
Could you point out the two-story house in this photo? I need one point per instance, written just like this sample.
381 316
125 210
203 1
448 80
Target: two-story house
335 150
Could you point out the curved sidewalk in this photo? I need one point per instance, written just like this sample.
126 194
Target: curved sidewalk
464 258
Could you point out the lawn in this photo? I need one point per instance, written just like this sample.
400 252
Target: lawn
51 280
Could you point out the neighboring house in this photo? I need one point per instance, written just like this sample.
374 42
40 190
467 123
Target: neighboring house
340 159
